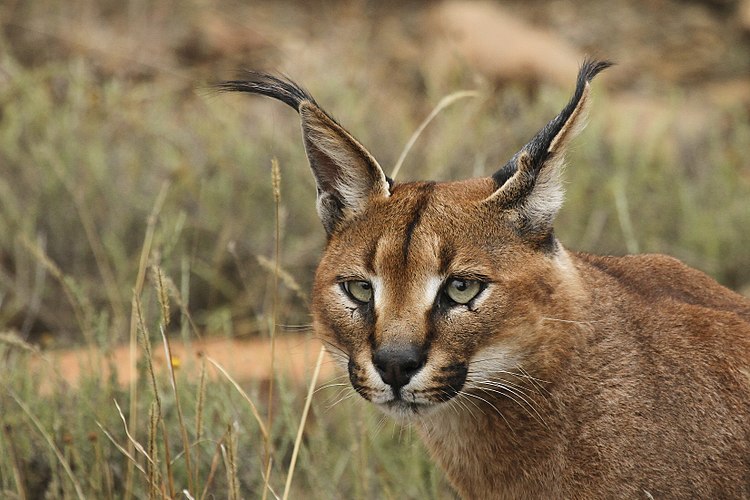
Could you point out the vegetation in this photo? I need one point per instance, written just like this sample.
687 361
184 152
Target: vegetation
139 207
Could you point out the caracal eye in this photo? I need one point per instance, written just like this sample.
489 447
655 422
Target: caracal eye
461 291
361 291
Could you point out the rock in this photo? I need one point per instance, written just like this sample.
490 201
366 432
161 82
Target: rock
214 37
743 14
504 48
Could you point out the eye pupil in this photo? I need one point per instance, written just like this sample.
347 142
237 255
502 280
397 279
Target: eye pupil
359 291
462 291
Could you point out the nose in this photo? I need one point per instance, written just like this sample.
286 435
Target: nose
398 364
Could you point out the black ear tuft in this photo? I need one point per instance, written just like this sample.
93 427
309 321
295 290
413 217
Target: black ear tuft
282 89
529 186
348 177
539 148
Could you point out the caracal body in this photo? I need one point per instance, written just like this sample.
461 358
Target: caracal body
530 371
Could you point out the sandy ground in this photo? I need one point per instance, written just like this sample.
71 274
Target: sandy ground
244 360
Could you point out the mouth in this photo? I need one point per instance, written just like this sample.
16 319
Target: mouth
403 411
405 408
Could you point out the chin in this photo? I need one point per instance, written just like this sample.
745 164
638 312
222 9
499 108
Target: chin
404 412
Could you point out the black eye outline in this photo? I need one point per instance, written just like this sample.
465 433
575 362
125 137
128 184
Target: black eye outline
346 287
449 301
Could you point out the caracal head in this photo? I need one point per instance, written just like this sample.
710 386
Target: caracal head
428 291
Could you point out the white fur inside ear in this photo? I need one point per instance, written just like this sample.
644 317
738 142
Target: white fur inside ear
353 190
548 194
350 181
344 170
538 199
575 124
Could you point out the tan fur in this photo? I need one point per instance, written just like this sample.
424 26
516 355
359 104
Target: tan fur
568 375
640 362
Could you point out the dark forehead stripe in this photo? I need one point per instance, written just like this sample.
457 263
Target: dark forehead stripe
370 253
423 198
446 256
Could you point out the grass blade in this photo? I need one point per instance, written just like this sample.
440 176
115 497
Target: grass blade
298 440
178 406
50 443
122 449
253 408
444 103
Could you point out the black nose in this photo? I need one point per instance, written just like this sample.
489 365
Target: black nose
398 364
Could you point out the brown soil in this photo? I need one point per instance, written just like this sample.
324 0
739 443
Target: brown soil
244 360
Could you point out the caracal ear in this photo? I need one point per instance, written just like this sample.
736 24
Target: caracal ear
347 176
529 185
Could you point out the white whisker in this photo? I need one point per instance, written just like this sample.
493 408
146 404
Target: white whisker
342 398
491 405
537 383
331 386
515 396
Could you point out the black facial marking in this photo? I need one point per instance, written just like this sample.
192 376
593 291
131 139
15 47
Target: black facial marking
445 258
451 381
372 340
356 380
370 318
422 203
370 253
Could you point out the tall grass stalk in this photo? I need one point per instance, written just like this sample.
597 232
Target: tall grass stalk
199 405
146 345
253 408
303 420
276 187
214 464
133 343
229 453
126 452
623 215
178 406
153 468
136 445
165 315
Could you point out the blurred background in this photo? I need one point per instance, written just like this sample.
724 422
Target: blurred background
104 103
122 174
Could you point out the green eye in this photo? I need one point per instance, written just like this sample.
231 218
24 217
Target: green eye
461 291
361 291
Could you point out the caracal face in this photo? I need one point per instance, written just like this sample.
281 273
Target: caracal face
425 297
